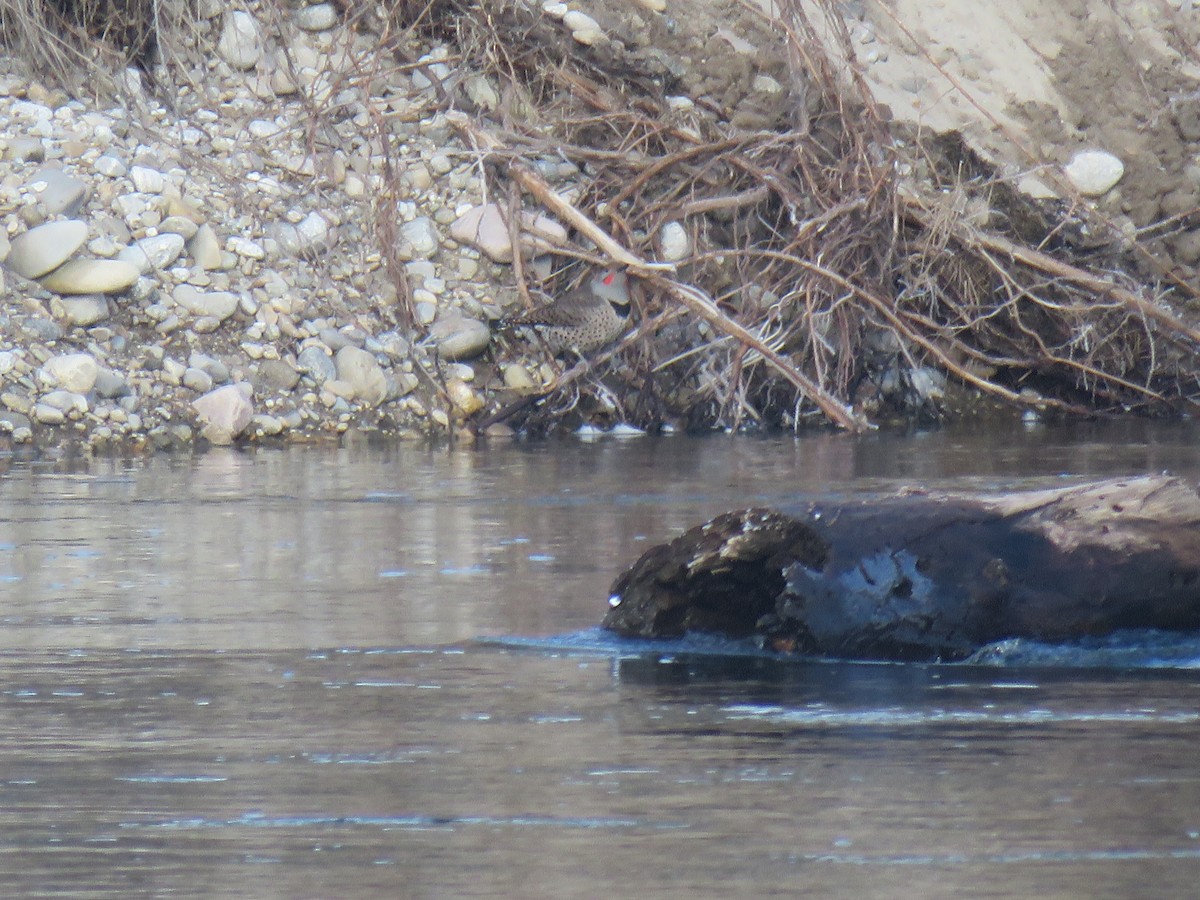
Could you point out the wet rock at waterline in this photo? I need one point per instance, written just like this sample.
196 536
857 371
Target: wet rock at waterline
224 413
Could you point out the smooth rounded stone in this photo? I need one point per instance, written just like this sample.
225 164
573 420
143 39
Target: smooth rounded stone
267 425
458 338
74 372
246 248
109 166
673 242
482 92
1094 172
69 402
318 17
46 247
11 420
484 228
517 378
402 384
80 312
8 361
153 253
224 413
197 380
205 249
317 364
214 367
362 372
584 29
220 305
311 234
241 43
110 386
419 238
180 225
57 192
276 374
465 399
49 415
91 276
146 180
26 149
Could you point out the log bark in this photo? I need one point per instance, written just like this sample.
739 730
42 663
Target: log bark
925 575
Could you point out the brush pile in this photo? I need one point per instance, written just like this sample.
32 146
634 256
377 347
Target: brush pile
800 257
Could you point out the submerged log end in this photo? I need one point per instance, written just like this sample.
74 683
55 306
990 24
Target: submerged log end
722 576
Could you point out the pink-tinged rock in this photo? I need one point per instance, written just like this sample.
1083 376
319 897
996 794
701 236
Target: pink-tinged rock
483 227
224 413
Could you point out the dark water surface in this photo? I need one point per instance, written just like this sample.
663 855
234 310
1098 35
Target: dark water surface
288 674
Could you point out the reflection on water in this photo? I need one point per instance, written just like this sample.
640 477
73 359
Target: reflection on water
256 674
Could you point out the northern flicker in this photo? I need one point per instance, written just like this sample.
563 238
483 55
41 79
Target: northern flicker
582 320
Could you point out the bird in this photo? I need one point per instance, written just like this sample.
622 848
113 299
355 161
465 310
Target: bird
582 320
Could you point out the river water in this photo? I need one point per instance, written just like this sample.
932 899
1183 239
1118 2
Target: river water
373 672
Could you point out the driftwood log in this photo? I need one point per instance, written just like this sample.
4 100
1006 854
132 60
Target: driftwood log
928 576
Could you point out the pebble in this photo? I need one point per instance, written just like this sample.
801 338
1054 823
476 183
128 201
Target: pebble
419 238
205 249
153 253
674 242
197 380
240 43
362 373
69 402
72 371
484 227
57 192
91 276
465 399
276 374
1094 172
458 337
318 17
317 364
219 305
46 247
80 311
224 413
584 28
146 180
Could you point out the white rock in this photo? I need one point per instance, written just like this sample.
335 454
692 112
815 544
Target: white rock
246 248
584 28
91 276
218 304
45 248
75 372
318 17
57 192
465 399
153 253
83 311
674 242
241 43
484 227
146 180
419 238
69 402
224 413
205 249
362 372
655 6
1094 172
109 166
458 337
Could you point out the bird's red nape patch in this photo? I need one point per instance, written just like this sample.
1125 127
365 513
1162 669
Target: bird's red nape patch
608 279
